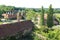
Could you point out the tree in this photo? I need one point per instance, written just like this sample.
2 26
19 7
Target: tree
30 14
4 9
1 13
42 16
50 17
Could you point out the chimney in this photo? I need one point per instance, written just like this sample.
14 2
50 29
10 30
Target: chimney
23 14
18 16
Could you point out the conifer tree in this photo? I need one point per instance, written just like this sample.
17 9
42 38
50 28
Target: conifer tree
50 17
42 16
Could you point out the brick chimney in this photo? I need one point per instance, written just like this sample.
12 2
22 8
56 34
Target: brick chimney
18 16
23 14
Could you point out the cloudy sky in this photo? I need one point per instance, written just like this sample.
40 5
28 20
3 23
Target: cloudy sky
31 3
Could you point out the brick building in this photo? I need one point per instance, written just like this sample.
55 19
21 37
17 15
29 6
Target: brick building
10 15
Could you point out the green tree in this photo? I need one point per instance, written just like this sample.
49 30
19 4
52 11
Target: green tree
42 16
50 17
4 9
30 14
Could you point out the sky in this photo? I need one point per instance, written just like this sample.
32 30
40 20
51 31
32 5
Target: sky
31 3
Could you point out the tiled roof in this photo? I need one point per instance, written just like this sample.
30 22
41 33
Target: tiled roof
11 29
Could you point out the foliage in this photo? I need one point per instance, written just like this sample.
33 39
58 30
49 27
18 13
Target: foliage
4 8
1 22
57 11
42 16
36 37
54 34
30 14
57 16
50 17
49 33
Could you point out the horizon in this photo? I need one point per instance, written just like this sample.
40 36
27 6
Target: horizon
31 3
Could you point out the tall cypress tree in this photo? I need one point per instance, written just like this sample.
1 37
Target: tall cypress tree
42 16
50 17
